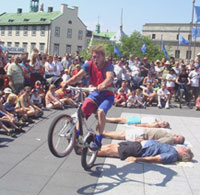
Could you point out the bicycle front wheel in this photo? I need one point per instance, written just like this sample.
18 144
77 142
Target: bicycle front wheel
61 136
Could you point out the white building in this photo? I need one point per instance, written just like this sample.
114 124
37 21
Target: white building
58 31
169 33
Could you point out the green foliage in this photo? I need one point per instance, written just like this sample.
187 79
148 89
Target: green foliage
130 45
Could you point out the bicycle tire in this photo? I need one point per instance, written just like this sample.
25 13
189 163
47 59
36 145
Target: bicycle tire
61 136
181 98
88 156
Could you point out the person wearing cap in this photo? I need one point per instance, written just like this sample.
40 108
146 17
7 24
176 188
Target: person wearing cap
195 81
7 91
166 69
66 75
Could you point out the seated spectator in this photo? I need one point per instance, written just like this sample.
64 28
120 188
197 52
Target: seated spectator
61 94
25 103
147 151
131 102
163 97
51 99
7 91
121 98
198 103
66 75
10 106
41 90
139 99
137 133
139 121
149 94
124 86
36 99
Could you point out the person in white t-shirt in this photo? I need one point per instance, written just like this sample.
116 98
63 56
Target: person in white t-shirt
66 75
171 79
163 97
195 81
59 67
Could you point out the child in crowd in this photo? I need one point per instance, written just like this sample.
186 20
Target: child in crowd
139 99
36 99
66 75
121 98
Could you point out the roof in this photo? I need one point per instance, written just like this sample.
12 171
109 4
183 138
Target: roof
118 36
31 18
104 34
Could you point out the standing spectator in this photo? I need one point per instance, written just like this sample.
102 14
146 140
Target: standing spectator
195 81
66 61
73 66
171 80
27 70
15 74
163 97
59 67
50 67
131 61
166 69
176 68
118 70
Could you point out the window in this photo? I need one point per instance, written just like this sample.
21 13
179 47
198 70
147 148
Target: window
69 22
188 54
34 28
69 33
25 30
189 37
177 54
42 19
80 35
68 48
153 36
26 19
24 45
57 31
10 31
2 31
177 37
79 48
9 44
32 47
42 47
17 30
56 48
2 43
16 44
10 20
42 31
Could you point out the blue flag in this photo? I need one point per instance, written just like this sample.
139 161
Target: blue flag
197 10
195 32
117 51
143 48
164 50
183 41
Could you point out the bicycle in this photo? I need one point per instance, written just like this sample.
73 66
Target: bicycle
181 93
62 135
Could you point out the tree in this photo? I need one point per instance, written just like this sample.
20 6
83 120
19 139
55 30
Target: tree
132 45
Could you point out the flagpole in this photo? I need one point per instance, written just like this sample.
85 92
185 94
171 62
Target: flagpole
161 42
191 26
195 43
178 41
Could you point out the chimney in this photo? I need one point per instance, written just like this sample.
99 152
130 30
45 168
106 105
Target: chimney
50 9
19 10
76 9
64 8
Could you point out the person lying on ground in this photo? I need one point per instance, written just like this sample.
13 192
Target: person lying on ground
146 151
139 121
137 133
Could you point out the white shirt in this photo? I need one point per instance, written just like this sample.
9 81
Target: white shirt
163 92
118 71
65 77
194 76
59 68
170 83
51 67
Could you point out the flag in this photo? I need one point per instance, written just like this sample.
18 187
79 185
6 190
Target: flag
183 41
116 50
195 32
197 10
164 50
143 48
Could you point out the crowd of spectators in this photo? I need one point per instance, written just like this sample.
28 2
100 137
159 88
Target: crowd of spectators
31 82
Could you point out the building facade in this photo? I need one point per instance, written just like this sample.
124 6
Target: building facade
58 32
169 34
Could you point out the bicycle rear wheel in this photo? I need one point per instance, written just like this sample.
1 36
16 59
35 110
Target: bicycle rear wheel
88 156
61 136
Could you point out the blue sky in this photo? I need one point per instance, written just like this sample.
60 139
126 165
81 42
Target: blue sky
135 12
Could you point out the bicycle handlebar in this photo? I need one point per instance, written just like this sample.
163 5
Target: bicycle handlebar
86 89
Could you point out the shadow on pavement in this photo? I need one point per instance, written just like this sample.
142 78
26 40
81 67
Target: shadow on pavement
118 176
